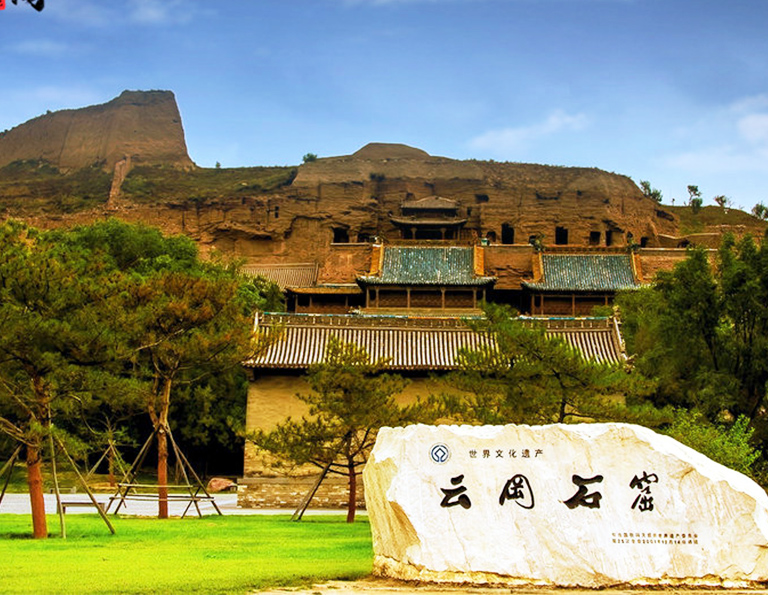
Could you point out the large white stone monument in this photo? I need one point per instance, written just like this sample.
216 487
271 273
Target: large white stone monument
588 505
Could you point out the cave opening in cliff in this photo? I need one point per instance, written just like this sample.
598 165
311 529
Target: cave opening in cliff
340 235
507 234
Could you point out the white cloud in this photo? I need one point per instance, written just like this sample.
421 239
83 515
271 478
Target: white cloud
730 140
721 159
90 13
508 141
754 128
40 47
160 12
82 12
749 104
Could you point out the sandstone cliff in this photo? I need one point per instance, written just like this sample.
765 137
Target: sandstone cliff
316 212
144 126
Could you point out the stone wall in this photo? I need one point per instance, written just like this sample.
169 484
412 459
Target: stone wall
266 482
288 492
510 264
653 260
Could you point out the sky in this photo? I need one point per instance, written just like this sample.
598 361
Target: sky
670 91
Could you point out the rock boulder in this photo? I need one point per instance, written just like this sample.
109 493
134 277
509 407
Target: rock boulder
591 505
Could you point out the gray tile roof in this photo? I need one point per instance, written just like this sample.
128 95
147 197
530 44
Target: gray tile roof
285 275
413 343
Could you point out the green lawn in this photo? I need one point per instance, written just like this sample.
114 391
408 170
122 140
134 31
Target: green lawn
223 555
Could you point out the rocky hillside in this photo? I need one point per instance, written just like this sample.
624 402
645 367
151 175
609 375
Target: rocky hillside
127 158
144 126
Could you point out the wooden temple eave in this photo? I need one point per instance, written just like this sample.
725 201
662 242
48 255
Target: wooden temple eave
415 343
432 222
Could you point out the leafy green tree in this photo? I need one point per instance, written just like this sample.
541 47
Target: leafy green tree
532 378
694 198
208 419
351 400
309 157
722 201
760 211
60 311
649 192
729 445
191 324
265 295
189 319
696 204
693 193
701 331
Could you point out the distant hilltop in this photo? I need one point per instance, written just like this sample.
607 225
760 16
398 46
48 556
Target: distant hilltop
143 127
128 158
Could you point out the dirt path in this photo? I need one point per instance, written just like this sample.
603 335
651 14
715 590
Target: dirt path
374 586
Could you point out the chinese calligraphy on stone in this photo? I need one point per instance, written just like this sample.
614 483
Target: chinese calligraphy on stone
455 496
583 497
518 488
644 500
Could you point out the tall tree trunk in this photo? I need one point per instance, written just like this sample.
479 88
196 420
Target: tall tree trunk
36 499
162 474
352 502
162 451
111 468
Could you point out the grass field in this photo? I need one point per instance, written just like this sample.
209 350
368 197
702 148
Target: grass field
223 555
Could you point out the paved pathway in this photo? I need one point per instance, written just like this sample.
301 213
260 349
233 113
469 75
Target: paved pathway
227 503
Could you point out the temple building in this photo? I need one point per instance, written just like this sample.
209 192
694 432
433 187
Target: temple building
415 307
420 348
430 218
574 283
408 285
439 278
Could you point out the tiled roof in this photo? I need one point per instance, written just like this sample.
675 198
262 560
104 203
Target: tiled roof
431 203
427 266
412 343
329 289
585 272
285 275
424 221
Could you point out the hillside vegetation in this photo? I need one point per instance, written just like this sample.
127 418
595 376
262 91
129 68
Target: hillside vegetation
167 184
29 187
714 219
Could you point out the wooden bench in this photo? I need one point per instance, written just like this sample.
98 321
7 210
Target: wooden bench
62 511
127 491
80 504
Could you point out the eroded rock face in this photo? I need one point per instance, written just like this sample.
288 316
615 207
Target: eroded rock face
589 505
143 125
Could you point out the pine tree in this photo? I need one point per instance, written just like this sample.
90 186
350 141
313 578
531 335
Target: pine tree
350 400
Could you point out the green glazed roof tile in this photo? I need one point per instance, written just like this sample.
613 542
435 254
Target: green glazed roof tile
585 272
427 266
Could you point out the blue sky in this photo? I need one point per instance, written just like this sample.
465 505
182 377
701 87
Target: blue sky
671 91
